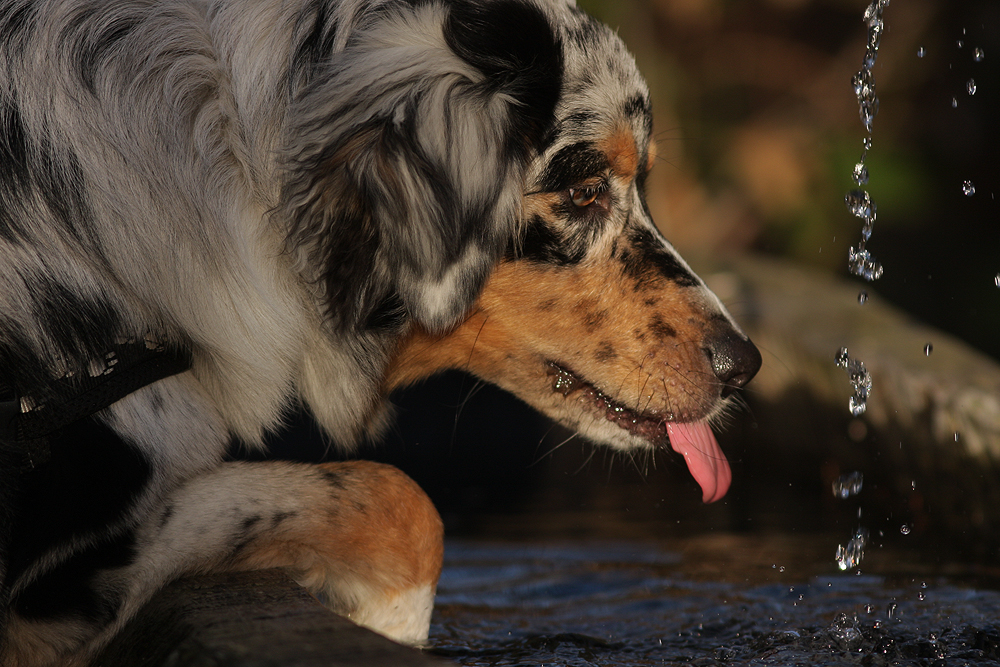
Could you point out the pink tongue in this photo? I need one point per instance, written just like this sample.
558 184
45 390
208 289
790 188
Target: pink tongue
704 457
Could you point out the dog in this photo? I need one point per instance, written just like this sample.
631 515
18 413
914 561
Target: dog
212 211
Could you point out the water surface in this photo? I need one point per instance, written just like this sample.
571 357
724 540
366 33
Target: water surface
710 600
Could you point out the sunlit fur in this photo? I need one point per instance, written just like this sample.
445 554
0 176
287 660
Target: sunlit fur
318 200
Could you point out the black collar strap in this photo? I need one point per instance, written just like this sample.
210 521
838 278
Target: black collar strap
125 368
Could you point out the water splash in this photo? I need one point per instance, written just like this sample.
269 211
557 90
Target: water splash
861 381
848 485
859 202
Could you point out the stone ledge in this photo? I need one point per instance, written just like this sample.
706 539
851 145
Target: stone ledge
248 619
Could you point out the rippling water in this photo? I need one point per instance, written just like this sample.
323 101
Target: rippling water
715 600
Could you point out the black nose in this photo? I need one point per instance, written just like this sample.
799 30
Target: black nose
735 360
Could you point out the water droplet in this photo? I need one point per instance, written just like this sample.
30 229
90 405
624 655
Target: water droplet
866 229
956 436
867 143
863 84
859 203
851 555
928 349
848 485
862 297
862 264
861 381
921 52
968 188
875 34
868 109
904 529
871 55
996 279
978 55
891 609
860 173
921 596
959 43
970 87
954 103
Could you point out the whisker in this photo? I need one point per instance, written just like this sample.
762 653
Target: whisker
593 450
555 447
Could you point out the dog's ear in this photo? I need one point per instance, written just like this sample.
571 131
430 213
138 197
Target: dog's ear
406 154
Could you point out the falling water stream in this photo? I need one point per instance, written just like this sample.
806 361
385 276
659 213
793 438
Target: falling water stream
860 262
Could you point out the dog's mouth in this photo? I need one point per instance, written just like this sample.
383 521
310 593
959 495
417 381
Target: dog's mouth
692 440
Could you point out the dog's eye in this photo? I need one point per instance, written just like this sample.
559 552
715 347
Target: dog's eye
585 196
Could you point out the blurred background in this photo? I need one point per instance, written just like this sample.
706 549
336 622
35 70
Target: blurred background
758 131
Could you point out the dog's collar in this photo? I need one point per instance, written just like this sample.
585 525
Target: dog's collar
26 420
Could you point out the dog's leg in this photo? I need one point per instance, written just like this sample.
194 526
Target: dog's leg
362 536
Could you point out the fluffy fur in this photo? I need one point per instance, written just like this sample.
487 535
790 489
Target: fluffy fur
315 201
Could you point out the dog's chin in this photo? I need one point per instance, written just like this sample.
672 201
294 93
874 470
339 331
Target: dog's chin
604 420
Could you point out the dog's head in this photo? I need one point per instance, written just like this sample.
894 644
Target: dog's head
501 203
